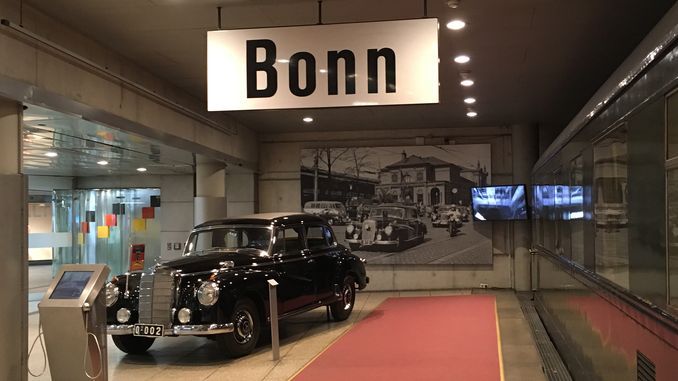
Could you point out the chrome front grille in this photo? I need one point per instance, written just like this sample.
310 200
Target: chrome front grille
156 297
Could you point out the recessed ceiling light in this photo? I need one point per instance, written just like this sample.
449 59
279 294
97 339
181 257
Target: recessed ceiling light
283 60
307 119
141 169
456 24
469 100
466 82
102 162
471 114
51 154
462 59
323 71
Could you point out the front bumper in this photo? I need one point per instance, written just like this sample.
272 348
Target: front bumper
177 330
440 224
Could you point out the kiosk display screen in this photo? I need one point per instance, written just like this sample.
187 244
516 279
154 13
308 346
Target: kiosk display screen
71 285
499 203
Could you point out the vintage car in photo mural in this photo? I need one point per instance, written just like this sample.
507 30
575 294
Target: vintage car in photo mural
333 212
219 289
389 227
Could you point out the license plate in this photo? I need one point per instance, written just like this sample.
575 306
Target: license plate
148 330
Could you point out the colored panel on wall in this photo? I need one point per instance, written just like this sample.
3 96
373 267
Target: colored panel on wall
81 239
148 212
91 216
111 220
155 201
84 227
103 232
138 225
119 209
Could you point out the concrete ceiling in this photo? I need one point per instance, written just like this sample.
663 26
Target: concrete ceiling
534 61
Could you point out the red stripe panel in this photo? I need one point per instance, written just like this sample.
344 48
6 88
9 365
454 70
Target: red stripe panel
422 338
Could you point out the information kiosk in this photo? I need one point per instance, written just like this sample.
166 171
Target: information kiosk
73 318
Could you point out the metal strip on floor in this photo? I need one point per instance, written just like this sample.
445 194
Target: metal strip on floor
554 368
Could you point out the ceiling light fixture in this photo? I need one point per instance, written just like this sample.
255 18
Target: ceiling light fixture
471 114
462 59
141 169
307 119
456 25
283 60
102 162
467 82
51 154
469 100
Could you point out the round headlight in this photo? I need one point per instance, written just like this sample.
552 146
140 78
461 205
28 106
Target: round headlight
208 293
388 230
378 237
184 315
112 293
350 228
123 315
355 236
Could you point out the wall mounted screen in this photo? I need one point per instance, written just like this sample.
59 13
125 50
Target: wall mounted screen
499 203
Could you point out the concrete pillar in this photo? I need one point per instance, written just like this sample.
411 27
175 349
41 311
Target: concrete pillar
210 190
524 146
13 247
241 191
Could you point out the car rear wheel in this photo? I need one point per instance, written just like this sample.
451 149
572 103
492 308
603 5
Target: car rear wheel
246 330
342 308
134 345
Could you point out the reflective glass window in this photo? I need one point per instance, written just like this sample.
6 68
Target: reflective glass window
610 180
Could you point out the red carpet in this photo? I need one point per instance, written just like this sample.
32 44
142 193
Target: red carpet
427 338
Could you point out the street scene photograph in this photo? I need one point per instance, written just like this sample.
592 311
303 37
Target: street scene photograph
401 205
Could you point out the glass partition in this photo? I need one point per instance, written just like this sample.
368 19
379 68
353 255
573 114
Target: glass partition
105 223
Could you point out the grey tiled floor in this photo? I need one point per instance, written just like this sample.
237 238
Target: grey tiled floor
302 338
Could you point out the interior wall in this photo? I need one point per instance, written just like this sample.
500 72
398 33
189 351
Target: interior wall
279 190
32 72
176 194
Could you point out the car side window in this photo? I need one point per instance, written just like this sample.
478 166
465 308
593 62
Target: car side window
288 241
318 238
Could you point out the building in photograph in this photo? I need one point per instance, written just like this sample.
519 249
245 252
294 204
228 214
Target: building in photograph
428 181
337 187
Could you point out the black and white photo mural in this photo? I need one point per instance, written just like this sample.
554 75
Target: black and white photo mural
401 205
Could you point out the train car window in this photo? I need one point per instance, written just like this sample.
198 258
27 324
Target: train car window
610 181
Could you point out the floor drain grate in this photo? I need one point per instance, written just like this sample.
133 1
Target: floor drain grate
553 365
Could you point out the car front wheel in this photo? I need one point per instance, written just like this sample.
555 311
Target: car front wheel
134 345
342 308
246 330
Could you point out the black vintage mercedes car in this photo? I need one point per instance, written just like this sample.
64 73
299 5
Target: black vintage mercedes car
389 227
219 287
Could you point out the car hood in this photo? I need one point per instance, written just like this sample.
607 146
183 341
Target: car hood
215 259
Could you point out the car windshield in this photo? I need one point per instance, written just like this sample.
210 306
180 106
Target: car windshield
227 239
387 212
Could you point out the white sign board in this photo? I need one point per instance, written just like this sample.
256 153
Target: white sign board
339 65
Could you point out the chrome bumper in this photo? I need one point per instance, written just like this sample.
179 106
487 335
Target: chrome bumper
177 330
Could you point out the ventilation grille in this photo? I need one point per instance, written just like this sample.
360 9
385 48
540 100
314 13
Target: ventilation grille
645 368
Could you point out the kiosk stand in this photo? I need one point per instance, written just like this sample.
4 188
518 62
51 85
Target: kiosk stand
73 318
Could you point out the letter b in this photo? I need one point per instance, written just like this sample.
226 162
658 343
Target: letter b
254 66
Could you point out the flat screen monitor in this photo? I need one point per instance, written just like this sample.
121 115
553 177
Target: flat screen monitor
558 202
71 285
499 203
